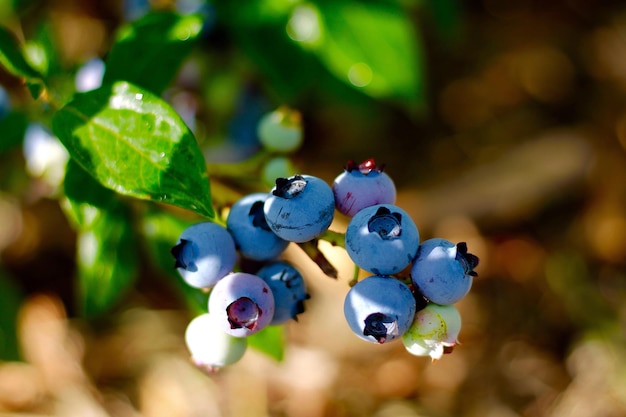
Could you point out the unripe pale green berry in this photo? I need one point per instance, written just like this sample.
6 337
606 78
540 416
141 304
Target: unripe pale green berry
278 167
434 331
281 130
211 348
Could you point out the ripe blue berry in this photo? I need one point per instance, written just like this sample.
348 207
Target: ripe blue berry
442 271
253 237
89 75
5 103
288 288
210 347
281 130
300 208
434 331
204 254
242 303
362 185
382 239
379 309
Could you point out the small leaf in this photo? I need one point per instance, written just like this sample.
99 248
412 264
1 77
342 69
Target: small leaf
12 57
148 52
12 126
83 193
134 143
107 254
107 259
270 340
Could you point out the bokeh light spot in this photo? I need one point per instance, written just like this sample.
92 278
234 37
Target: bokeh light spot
360 74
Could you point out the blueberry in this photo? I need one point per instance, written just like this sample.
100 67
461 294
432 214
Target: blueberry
211 348
242 303
204 254
253 237
442 271
382 239
5 103
300 208
89 75
281 130
379 309
288 288
362 185
46 158
434 331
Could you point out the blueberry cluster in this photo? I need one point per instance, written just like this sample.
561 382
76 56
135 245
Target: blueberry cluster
409 295
383 240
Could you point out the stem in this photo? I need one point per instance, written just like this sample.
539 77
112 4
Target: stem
334 238
355 276
312 250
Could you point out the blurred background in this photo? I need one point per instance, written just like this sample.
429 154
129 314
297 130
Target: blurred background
503 124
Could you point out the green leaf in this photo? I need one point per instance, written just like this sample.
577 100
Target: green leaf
148 52
270 341
10 301
107 255
373 47
160 231
134 143
12 126
12 58
107 260
85 196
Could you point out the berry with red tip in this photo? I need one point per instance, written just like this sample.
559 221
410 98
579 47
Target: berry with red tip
362 185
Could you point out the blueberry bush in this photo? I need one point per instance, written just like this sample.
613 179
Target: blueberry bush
278 207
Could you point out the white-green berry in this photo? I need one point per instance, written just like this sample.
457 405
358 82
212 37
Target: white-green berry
281 130
434 331
211 348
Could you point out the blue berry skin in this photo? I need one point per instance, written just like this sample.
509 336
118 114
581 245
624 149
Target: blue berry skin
5 103
300 208
204 254
442 271
89 75
382 239
253 237
362 185
379 309
288 288
242 303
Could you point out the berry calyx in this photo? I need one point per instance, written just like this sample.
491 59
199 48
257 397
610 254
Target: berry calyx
243 312
362 185
365 167
289 187
388 225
